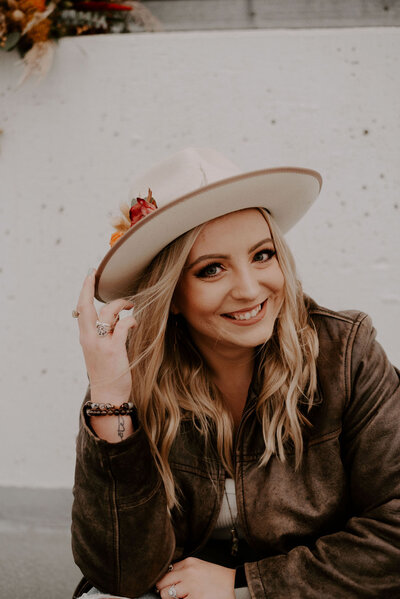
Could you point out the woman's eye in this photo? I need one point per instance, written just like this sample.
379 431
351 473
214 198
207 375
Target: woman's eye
211 270
264 255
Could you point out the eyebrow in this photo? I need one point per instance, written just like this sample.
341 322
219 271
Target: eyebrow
224 256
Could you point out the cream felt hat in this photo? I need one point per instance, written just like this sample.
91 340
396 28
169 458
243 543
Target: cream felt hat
190 188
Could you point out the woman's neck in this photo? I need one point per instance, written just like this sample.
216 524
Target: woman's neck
232 372
228 363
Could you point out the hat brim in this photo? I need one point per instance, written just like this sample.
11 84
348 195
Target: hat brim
286 192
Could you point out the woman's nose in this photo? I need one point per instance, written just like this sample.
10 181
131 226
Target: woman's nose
245 284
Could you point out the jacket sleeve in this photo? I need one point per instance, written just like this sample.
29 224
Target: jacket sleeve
362 560
122 537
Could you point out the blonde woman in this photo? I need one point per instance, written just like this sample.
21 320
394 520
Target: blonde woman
236 440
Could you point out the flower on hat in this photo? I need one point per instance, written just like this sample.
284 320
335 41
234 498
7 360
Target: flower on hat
140 208
115 236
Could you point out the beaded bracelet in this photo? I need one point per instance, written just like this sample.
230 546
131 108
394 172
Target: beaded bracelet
107 409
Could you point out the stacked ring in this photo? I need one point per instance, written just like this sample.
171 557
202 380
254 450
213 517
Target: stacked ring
103 328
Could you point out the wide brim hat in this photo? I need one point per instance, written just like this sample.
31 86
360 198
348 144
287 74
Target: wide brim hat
190 188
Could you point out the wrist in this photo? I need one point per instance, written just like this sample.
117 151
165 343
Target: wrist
106 409
108 396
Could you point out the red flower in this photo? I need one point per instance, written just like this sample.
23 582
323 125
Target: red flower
96 6
137 211
142 208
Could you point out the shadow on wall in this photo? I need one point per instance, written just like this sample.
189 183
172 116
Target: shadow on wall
35 544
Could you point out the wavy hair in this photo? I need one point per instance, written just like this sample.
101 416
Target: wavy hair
170 378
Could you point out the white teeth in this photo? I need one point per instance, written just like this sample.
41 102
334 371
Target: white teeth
247 315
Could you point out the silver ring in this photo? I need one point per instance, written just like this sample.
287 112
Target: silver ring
172 591
75 313
103 328
170 567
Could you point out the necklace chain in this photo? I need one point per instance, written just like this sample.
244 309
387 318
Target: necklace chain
234 533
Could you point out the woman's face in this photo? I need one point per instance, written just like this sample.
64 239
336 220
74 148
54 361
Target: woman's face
231 288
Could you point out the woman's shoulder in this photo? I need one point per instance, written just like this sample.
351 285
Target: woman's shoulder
344 337
352 366
338 323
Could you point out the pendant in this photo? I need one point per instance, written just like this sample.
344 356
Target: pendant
235 542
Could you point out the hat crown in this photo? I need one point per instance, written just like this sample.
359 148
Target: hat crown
182 173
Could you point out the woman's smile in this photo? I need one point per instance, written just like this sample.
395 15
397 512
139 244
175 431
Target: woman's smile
231 288
248 316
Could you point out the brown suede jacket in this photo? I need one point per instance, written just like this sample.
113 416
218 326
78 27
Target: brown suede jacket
328 530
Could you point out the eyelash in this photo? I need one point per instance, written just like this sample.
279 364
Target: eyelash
201 274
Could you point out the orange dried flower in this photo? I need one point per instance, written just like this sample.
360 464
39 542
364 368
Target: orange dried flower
40 32
115 236
39 4
28 8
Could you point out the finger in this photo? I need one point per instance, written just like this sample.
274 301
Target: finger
171 577
109 312
122 327
172 590
85 306
165 581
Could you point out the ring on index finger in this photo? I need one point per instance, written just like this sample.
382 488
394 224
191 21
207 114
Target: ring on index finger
75 313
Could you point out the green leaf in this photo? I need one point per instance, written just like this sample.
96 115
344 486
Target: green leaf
12 40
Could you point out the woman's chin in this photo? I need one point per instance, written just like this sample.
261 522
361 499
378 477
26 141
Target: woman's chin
247 336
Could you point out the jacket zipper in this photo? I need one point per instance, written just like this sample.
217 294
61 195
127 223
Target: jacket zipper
245 416
217 509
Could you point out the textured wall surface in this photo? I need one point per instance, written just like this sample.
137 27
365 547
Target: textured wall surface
178 15
109 108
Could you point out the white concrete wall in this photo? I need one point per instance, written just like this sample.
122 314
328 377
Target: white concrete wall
326 99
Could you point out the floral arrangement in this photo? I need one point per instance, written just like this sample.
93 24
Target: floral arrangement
32 26
139 208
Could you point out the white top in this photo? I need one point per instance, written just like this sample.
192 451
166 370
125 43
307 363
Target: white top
222 529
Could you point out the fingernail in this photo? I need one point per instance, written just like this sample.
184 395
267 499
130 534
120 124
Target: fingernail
91 271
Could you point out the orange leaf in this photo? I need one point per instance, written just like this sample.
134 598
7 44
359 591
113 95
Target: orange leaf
115 237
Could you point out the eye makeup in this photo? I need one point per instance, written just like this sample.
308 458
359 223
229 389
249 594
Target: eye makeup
204 272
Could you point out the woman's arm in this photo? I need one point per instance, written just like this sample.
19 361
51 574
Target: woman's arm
363 559
122 538
106 359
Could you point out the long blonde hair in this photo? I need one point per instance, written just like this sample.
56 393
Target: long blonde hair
170 378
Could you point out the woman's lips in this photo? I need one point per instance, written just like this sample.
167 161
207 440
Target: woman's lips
247 316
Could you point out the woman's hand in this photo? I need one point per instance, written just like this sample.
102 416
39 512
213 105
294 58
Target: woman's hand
197 579
106 357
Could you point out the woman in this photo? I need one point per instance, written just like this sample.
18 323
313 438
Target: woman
257 450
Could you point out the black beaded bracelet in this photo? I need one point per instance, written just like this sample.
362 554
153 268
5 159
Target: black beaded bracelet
107 409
